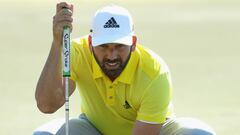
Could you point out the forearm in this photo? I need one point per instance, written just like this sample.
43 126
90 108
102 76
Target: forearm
142 128
50 91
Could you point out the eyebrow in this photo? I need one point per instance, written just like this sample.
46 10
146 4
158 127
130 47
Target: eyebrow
112 44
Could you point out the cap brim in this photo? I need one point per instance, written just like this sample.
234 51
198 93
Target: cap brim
126 40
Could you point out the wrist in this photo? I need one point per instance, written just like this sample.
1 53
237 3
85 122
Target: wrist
57 43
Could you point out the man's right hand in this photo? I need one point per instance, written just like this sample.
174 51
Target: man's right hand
63 17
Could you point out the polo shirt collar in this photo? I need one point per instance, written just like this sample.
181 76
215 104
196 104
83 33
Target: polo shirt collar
127 75
97 71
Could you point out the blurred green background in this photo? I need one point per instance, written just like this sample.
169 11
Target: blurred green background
199 39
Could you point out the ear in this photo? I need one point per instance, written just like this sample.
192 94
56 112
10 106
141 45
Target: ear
134 39
90 42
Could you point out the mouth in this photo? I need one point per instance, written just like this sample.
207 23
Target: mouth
112 65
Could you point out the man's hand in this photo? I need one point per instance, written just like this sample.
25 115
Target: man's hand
143 128
63 17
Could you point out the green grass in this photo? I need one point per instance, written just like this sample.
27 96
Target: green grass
198 40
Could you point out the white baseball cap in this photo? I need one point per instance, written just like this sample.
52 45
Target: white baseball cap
112 24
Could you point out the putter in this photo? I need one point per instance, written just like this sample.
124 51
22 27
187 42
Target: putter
66 72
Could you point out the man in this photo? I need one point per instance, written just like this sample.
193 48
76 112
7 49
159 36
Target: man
125 88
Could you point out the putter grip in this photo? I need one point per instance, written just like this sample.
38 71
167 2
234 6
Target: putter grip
66 51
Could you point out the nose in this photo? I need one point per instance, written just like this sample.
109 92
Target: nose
112 53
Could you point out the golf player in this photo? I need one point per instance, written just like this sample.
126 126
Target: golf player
125 88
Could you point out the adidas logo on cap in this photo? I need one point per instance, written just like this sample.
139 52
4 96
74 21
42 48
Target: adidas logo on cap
111 23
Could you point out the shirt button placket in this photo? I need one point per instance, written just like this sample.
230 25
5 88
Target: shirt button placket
110 95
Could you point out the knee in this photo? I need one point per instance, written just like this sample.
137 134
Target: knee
196 131
49 128
190 126
78 123
41 133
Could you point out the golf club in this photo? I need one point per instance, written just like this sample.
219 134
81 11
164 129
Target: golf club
66 72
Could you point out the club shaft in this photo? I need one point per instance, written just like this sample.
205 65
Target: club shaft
67 104
66 72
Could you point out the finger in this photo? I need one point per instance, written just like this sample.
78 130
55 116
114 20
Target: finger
65 11
62 5
71 7
59 19
67 24
61 26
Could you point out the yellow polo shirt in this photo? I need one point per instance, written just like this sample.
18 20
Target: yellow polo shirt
142 91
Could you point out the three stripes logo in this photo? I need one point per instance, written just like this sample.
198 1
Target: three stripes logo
111 23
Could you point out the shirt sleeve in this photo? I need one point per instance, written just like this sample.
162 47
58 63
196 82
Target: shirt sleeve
155 100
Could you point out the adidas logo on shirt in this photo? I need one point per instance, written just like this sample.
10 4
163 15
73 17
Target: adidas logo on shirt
111 23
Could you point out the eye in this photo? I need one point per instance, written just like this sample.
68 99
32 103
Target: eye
119 46
103 46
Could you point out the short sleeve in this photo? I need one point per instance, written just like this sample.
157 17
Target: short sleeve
155 100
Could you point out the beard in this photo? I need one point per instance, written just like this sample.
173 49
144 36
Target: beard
113 73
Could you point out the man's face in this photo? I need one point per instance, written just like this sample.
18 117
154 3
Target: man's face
112 58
